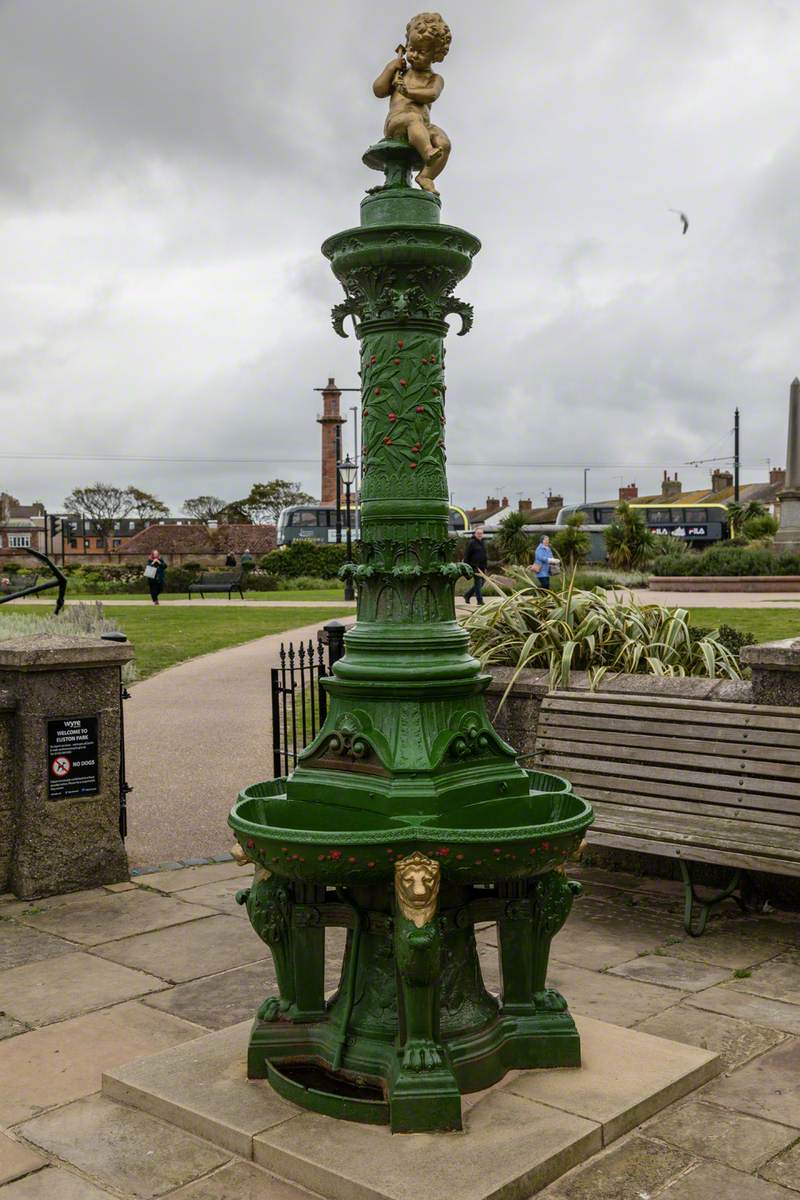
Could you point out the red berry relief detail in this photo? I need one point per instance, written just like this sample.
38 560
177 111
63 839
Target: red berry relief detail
497 850
401 343
433 358
436 391
373 359
387 441
402 382
392 416
459 857
335 854
396 362
478 862
413 466
444 850
250 844
545 845
377 391
533 849
321 857
366 412
370 865
420 408
425 361
351 859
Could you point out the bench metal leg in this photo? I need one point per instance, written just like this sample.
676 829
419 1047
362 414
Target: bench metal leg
692 901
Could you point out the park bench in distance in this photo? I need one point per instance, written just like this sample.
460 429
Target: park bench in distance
217 581
696 780
16 583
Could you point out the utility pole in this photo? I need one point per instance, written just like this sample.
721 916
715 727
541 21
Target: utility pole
338 486
736 456
586 471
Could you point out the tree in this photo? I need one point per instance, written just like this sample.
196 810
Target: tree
628 540
759 525
204 508
572 544
512 541
103 503
146 506
267 500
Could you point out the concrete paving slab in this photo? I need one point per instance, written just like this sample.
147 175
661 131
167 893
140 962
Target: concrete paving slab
221 894
712 1180
63 1062
638 1168
766 1087
124 1148
778 979
736 1042
732 1138
53 1184
608 997
20 945
510 1148
240 1181
190 877
625 1077
203 1090
17 1160
598 935
220 1000
671 972
759 1010
204 947
119 887
735 948
9 1027
64 987
17 908
103 916
785 1169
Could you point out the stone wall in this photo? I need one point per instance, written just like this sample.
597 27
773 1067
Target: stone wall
7 713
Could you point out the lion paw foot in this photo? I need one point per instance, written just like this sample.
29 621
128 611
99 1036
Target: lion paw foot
271 1009
550 1001
421 1055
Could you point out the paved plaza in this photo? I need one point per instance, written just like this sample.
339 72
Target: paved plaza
94 980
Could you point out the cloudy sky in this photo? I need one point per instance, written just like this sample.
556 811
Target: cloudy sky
169 168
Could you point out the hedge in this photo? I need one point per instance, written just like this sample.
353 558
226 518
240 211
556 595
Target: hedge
305 558
729 560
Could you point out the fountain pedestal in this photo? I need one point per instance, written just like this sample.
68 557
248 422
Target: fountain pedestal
408 820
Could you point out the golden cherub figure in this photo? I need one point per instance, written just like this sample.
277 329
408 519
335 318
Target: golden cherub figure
413 87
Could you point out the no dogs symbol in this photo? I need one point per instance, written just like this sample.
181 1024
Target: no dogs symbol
61 766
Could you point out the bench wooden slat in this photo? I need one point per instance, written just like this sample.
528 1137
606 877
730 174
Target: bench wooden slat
704 711
691 828
750 768
737 806
716 855
722 732
651 739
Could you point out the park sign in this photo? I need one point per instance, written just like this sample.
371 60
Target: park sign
72 757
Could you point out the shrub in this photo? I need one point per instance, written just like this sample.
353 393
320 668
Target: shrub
760 526
628 540
725 559
579 630
571 544
74 621
512 542
732 639
305 558
307 583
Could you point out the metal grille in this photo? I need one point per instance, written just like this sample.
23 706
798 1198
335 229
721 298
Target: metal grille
299 703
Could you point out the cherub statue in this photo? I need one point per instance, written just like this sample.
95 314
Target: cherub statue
413 87
418 954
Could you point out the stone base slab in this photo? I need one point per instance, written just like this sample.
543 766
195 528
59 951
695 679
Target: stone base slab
518 1136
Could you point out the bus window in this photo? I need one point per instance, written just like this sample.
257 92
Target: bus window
662 516
695 516
604 516
456 520
305 517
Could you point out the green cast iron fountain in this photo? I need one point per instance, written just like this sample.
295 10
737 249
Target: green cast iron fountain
407 820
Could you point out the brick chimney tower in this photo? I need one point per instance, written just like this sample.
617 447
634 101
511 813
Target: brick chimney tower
670 488
777 477
631 492
720 481
331 421
554 500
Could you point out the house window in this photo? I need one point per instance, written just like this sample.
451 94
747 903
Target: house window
19 540
87 543
116 542
73 544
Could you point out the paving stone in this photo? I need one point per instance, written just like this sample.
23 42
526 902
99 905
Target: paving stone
734 1041
625 1077
671 972
598 935
712 1180
766 1087
736 947
759 1010
31 908
127 1149
204 1090
785 1169
608 997
53 1184
635 1169
511 1148
62 1062
103 916
220 1000
16 1159
189 877
20 945
221 894
240 1181
177 954
119 887
63 987
778 979
9 1027
732 1138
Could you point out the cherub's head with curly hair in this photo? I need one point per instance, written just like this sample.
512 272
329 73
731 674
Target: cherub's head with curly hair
427 37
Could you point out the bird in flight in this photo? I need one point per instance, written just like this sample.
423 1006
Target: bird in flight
683 217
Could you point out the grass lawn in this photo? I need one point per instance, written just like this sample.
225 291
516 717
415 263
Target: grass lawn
768 624
164 636
309 597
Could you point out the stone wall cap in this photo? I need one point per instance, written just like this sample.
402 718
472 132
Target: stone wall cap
692 687
48 652
777 656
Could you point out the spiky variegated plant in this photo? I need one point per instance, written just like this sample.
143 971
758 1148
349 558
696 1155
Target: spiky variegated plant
568 630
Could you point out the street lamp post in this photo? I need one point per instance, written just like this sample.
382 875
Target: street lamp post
347 473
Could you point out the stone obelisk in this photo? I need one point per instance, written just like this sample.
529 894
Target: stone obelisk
788 535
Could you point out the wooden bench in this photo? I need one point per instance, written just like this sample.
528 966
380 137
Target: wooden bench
217 581
16 583
699 781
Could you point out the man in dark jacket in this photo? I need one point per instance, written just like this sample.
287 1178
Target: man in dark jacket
475 554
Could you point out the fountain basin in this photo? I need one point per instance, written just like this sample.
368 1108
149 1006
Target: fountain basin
339 845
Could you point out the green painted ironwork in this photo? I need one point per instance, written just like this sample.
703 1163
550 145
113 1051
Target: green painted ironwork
406 762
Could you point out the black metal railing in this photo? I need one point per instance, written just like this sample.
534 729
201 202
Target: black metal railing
299 701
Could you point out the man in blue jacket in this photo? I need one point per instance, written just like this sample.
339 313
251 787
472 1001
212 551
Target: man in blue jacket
542 560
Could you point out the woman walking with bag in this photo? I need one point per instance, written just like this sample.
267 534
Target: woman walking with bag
154 574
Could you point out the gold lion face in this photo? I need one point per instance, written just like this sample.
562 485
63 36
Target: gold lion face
416 882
